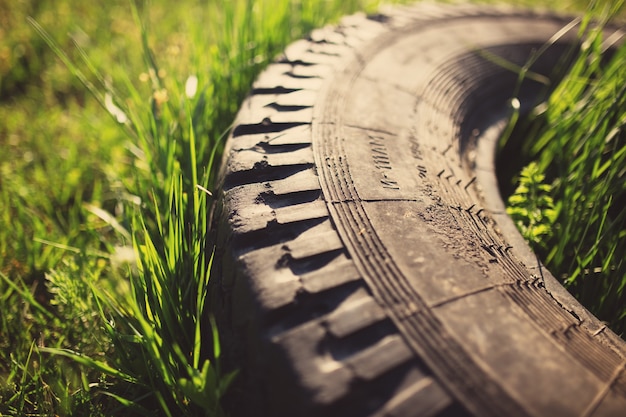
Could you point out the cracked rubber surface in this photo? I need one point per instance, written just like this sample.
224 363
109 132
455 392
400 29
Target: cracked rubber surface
366 266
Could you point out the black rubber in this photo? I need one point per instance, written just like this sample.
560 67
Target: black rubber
366 265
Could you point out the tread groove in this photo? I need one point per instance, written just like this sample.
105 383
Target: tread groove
264 127
262 173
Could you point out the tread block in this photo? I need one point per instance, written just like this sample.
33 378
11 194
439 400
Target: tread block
277 75
297 98
300 52
249 160
325 378
278 181
251 218
257 217
357 24
330 49
305 180
300 212
298 135
388 353
295 135
339 271
355 313
309 71
274 285
320 239
266 98
328 35
268 119
424 398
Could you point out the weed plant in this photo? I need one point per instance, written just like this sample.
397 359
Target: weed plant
570 200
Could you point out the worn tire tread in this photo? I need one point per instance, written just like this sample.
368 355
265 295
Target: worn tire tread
312 303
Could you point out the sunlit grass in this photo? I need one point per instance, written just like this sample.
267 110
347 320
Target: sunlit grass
577 140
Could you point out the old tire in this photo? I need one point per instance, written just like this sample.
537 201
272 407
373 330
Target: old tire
366 266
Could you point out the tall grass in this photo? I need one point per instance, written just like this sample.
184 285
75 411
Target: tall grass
577 144
161 338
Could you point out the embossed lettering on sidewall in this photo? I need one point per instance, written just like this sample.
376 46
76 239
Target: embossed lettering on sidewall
382 162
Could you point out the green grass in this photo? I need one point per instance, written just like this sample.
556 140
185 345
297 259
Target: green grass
570 200
105 176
